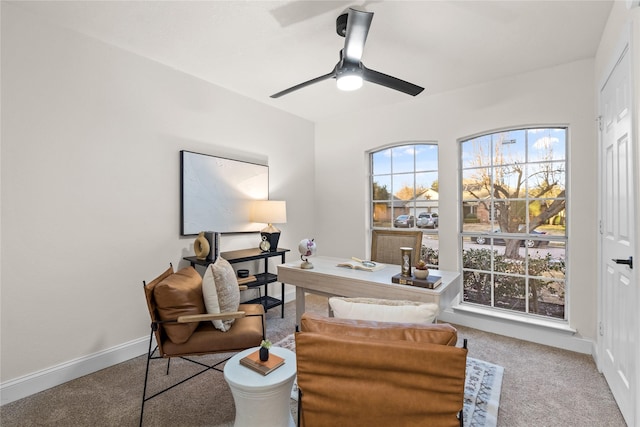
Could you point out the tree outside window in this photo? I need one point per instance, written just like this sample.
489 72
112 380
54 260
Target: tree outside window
513 213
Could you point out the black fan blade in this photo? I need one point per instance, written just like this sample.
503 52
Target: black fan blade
307 83
390 81
358 24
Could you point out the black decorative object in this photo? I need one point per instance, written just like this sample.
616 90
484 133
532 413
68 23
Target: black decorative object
264 354
214 245
272 238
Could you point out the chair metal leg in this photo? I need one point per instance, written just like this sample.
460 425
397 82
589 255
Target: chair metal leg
461 417
146 377
300 406
206 367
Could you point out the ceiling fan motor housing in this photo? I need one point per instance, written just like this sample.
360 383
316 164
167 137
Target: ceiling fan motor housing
341 24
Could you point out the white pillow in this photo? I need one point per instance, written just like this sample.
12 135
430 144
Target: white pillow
383 310
210 296
227 289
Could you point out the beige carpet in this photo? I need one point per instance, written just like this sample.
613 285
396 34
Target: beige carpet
542 386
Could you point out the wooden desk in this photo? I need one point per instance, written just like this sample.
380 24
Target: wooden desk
327 279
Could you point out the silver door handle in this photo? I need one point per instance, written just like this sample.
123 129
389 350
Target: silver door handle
628 262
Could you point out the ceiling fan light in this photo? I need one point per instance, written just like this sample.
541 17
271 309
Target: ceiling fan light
349 82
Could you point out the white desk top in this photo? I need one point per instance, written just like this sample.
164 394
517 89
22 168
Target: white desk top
327 279
328 267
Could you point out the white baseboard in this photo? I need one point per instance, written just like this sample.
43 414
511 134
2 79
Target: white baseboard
36 382
42 380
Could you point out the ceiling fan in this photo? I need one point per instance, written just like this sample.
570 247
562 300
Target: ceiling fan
350 72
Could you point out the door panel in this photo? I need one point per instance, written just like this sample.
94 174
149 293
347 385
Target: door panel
618 290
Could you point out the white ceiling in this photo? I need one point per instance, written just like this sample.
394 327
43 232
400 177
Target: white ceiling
257 48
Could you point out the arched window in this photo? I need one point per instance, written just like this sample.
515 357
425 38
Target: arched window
404 192
513 231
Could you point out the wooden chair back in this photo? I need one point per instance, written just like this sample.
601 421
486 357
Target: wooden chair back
386 244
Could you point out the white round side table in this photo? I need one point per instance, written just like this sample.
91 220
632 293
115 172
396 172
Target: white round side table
262 399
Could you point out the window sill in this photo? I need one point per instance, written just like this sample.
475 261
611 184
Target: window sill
559 326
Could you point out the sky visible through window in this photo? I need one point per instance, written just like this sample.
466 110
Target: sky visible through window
406 166
543 145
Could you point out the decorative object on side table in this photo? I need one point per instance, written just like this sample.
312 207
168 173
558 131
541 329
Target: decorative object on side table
265 345
201 247
214 245
264 367
406 256
269 212
265 245
307 248
421 271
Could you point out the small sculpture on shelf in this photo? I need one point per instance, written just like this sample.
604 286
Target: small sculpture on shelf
201 247
265 345
421 271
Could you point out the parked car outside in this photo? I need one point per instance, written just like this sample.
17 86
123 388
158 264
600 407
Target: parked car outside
406 221
530 243
427 220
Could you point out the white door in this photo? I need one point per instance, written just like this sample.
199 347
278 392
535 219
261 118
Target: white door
618 285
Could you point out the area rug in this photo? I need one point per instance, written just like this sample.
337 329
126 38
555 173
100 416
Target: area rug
482 387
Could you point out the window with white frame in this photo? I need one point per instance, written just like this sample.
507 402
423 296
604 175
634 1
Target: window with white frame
404 192
513 208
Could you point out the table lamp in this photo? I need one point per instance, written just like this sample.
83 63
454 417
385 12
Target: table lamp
269 212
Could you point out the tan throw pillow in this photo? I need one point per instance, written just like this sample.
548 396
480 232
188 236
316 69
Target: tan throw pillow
227 290
180 294
383 310
210 295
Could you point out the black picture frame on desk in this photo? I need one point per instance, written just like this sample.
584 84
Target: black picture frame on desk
262 279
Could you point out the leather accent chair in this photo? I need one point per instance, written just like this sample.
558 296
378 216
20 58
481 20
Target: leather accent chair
183 329
367 373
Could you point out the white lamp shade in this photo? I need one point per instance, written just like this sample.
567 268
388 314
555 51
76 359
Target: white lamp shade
269 211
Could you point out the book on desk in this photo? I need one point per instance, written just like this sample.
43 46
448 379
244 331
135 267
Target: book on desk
253 361
359 266
431 282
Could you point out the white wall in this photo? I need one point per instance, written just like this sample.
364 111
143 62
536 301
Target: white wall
559 95
91 136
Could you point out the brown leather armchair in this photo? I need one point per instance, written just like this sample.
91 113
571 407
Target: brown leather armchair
183 329
365 373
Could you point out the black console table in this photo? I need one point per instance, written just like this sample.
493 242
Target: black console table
262 279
